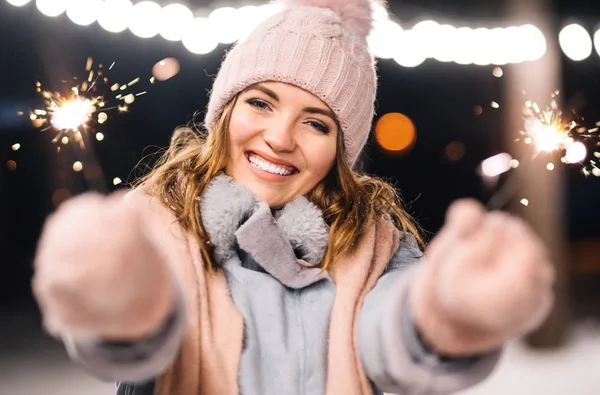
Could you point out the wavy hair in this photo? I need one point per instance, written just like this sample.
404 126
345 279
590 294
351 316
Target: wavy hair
348 200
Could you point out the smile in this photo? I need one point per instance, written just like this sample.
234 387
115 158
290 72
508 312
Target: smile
264 165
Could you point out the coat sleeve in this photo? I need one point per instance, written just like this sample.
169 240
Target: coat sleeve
132 362
390 348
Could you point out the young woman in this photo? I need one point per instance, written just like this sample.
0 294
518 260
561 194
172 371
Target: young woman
254 260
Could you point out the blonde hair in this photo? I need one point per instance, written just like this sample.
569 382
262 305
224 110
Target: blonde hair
348 200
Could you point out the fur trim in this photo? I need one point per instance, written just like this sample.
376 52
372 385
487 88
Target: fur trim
357 15
224 206
302 223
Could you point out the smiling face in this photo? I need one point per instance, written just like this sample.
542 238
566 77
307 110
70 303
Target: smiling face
282 141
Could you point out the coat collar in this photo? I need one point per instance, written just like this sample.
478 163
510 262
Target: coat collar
278 241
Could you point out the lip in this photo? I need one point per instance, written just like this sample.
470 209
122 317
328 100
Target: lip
275 161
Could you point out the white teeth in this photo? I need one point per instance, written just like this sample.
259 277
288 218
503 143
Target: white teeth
268 167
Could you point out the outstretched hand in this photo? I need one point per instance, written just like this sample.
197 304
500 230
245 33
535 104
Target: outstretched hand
98 271
486 278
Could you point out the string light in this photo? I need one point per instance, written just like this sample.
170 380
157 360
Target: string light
202 33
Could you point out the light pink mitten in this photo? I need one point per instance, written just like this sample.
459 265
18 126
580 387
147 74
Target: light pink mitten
99 274
486 278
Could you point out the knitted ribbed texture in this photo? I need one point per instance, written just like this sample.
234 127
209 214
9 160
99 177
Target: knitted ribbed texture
311 48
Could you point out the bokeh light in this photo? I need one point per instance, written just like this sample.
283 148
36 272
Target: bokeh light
597 41
496 165
224 21
497 72
479 46
165 69
408 52
267 10
515 44
444 50
15 147
395 132
534 43
575 42
77 166
427 34
248 17
576 152
384 37
463 52
175 21
115 15
99 136
18 3
199 38
455 151
117 181
51 7
84 12
11 165
501 47
145 19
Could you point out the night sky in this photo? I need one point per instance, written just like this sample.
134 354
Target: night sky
438 97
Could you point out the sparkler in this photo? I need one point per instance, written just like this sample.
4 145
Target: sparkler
82 106
546 130
79 109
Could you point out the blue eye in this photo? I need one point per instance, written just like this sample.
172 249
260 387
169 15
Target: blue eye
319 126
258 104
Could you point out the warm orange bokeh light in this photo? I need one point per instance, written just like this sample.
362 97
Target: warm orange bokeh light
395 132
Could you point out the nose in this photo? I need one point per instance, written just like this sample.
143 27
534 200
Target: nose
280 137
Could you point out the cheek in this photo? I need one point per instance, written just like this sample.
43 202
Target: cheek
242 127
320 155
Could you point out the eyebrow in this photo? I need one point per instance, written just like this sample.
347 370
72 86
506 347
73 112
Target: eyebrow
266 91
310 110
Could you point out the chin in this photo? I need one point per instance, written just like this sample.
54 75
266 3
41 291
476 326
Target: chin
274 201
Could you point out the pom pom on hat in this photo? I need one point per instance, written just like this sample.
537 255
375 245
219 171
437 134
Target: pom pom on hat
357 15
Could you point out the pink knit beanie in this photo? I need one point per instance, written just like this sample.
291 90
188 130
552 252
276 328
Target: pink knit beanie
317 45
